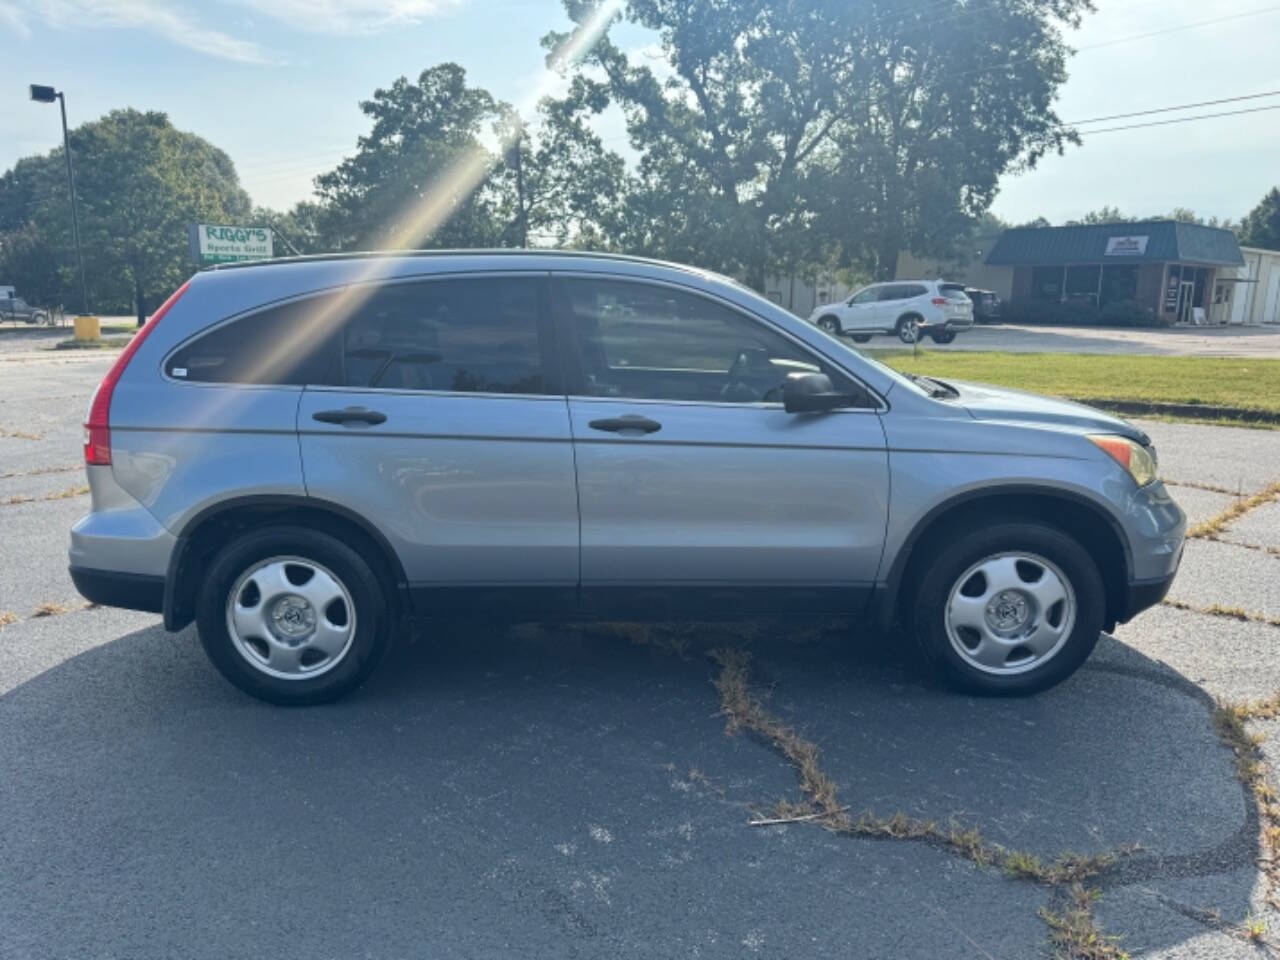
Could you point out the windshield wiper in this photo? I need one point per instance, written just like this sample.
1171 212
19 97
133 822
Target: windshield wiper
935 388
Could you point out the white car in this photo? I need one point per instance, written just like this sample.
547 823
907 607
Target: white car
906 308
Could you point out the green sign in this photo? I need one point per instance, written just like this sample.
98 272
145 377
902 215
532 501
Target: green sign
215 243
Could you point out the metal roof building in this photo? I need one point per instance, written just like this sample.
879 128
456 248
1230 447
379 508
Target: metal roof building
1182 272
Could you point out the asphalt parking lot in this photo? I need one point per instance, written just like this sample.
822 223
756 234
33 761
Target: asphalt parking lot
1224 341
554 792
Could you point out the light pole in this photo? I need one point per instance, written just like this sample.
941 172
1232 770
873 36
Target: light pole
43 94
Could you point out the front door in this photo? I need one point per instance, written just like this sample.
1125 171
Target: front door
861 312
445 426
697 491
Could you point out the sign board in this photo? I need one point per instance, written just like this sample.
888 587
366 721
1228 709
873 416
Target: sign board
1126 246
215 243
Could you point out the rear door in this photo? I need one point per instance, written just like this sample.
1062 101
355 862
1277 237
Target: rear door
697 491
442 421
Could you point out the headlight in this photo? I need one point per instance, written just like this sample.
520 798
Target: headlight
1133 456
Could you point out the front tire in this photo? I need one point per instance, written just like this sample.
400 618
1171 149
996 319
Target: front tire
1008 609
830 324
293 616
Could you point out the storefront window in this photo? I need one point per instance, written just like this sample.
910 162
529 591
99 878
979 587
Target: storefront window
1046 283
1119 283
1082 284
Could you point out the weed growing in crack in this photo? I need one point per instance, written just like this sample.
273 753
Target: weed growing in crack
1072 929
1209 529
1231 721
1221 610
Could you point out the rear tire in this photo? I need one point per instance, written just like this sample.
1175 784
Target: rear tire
908 328
862 338
1005 578
277 632
943 336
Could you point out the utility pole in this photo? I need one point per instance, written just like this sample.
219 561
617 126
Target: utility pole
523 213
46 94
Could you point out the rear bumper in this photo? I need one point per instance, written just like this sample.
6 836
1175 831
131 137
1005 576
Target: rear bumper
110 588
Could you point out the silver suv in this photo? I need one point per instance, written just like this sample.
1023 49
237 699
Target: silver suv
307 456
907 309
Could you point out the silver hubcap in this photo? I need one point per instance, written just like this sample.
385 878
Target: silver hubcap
291 618
829 326
1010 613
909 330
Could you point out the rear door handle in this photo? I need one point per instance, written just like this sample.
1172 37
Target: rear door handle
350 415
626 424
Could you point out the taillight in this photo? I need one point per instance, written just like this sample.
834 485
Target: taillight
97 426
940 301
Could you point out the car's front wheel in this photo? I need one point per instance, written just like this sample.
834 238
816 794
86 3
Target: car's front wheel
908 328
1010 608
293 616
831 325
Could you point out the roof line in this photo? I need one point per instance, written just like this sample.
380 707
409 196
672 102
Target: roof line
461 251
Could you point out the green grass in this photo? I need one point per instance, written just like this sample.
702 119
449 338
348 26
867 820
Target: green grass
1242 383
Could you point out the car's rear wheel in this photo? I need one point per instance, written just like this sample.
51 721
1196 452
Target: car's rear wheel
862 338
908 328
293 616
943 336
1010 608
831 325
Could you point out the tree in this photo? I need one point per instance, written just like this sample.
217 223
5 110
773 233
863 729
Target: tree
1103 215
420 131
1261 228
140 183
787 128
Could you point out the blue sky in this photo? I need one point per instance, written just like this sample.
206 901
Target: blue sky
276 83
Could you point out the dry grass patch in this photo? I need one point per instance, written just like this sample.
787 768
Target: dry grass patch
1231 722
40 471
19 434
1221 610
1210 529
1211 487
7 617
51 610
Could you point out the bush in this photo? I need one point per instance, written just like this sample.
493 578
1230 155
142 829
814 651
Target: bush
1121 313
1127 313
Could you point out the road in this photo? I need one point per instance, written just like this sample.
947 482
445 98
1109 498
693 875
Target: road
542 791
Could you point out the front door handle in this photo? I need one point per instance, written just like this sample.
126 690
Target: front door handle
626 424
350 415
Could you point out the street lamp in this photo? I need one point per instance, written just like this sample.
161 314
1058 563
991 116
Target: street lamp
43 94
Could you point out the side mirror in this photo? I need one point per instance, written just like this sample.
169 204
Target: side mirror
812 393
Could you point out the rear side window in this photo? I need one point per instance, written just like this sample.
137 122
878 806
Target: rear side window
465 335
282 345
952 291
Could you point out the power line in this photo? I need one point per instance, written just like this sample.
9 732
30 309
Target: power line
1181 26
1165 123
1180 106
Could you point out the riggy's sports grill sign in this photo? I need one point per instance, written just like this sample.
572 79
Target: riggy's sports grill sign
213 243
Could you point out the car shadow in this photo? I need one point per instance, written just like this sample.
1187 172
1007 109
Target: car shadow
560 791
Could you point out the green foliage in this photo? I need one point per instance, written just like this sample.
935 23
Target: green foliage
140 182
1261 228
1127 313
785 133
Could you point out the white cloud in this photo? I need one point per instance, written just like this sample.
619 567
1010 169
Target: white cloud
164 19
11 17
349 16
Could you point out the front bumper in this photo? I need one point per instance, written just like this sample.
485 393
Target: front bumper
111 588
1142 594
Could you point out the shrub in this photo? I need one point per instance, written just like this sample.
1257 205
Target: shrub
1127 313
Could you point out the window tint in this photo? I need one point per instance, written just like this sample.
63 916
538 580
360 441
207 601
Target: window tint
477 335
281 345
652 342
466 336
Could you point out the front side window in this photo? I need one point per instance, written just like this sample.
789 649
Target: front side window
655 343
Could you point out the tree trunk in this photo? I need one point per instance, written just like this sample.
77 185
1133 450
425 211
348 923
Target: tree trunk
137 300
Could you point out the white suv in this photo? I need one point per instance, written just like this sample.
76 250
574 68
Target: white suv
906 308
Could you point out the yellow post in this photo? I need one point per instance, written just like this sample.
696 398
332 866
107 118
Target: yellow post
88 328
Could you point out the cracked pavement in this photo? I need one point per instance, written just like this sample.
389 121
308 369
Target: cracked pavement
562 792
